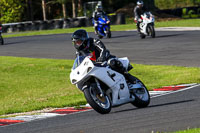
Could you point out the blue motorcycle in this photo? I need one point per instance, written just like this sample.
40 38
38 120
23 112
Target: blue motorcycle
103 27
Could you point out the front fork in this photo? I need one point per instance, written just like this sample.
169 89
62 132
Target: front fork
105 29
99 88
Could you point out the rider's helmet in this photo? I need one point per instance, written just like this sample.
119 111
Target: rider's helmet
140 3
79 39
99 8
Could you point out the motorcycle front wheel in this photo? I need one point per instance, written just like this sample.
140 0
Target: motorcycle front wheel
142 97
142 36
101 104
100 37
108 34
151 31
1 40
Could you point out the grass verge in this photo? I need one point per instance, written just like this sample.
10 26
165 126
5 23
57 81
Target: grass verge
32 84
195 130
129 26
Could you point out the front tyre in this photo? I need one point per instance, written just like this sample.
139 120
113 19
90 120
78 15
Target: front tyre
142 97
108 33
151 31
100 37
100 104
142 36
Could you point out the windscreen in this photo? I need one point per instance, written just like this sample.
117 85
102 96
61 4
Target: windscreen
78 61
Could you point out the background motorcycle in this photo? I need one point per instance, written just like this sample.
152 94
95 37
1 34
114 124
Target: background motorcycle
1 38
103 27
147 25
105 88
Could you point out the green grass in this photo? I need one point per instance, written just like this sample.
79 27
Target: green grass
32 84
129 26
195 130
179 23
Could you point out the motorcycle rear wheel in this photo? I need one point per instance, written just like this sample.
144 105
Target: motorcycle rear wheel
100 104
142 97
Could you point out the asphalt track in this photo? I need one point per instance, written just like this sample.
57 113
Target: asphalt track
172 112
168 48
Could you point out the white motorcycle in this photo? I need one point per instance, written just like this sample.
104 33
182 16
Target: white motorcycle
147 25
105 88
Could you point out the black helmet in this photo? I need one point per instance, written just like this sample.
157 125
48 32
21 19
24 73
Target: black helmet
79 39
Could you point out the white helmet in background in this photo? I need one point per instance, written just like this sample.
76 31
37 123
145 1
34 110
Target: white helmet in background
99 8
140 2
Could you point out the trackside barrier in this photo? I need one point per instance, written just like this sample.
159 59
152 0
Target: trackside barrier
186 12
57 24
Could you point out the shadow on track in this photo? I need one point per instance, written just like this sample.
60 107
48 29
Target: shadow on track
162 36
17 42
178 102
12 43
122 36
158 105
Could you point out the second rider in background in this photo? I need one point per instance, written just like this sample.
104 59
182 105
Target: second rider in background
96 14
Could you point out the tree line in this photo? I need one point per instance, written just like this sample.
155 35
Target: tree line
30 10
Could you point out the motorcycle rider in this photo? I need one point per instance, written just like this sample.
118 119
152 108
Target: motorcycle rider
1 38
96 14
86 45
138 11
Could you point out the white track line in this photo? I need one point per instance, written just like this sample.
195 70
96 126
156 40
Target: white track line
175 91
28 118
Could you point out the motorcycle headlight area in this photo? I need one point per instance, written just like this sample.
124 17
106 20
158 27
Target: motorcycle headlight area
78 75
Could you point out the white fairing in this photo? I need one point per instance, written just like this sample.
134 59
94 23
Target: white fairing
147 18
117 82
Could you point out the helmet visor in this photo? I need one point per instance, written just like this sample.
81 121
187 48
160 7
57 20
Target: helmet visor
77 42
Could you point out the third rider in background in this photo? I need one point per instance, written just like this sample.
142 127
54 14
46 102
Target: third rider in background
138 11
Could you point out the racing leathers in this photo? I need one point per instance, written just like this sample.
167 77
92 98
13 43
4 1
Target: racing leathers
97 49
138 11
99 53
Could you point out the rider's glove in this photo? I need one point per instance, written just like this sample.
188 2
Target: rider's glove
101 59
95 23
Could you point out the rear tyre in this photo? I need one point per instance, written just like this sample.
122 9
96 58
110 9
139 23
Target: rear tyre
100 104
142 97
